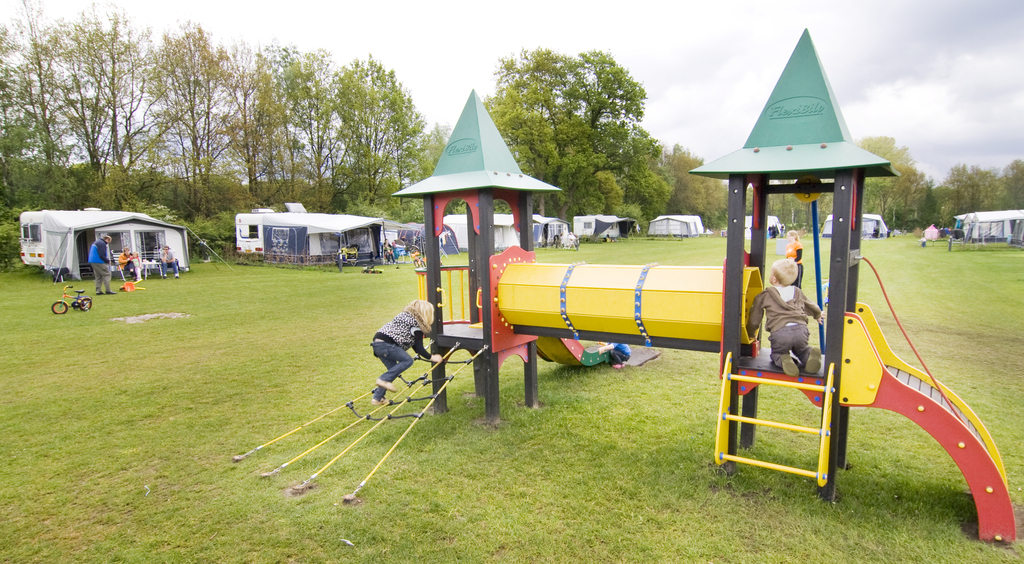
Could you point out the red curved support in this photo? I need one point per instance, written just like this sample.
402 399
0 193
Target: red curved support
991 495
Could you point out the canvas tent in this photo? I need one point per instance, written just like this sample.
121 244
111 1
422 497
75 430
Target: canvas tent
61 239
548 230
990 226
676 226
872 226
310 238
598 226
505 234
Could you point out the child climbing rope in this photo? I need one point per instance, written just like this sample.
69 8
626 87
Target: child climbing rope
392 341
786 308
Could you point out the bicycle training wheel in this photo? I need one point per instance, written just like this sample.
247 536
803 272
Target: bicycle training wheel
85 304
59 307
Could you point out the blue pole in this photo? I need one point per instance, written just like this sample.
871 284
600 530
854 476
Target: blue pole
817 272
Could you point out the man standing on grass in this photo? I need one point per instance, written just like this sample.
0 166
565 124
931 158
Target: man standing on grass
99 260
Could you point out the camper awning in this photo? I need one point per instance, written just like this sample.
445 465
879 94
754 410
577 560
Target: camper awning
326 222
64 221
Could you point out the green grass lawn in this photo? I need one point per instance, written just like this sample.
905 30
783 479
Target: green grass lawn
118 438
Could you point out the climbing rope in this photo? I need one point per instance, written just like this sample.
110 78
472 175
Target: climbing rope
417 416
241 457
305 484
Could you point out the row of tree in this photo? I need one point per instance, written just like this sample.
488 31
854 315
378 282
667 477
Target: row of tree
97 112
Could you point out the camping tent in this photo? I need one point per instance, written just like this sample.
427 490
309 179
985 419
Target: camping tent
61 239
872 226
598 226
310 238
548 230
676 226
773 222
932 233
990 226
505 234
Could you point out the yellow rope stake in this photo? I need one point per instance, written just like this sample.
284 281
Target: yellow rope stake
240 457
302 486
352 496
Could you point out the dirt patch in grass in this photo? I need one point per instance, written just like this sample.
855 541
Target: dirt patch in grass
148 316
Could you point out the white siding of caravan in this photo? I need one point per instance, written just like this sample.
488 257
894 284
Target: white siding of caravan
505 234
33 246
583 225
249 233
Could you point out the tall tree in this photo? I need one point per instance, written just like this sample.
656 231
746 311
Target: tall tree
972 189
106 65
691 194
195 111
570 119
382 133
40 85
1013 180
310 84
259 118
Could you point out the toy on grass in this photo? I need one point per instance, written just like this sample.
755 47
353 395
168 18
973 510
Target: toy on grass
79 302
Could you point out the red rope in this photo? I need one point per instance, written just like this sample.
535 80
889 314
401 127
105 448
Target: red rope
935 383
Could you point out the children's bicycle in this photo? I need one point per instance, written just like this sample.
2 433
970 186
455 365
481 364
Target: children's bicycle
79 302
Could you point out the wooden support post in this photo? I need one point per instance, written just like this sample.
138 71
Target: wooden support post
758 254
843 208
733 290
432 254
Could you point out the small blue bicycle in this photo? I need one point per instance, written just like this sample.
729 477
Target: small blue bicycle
79 302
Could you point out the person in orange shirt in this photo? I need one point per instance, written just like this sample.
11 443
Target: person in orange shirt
795 252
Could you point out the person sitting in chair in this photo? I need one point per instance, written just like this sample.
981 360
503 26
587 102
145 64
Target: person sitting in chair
127 261
168 262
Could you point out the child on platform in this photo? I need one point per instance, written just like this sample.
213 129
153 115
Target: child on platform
618 353
394 338
786 309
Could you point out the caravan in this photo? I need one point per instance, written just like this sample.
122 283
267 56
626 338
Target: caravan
59 241
872 226
313 238
597 226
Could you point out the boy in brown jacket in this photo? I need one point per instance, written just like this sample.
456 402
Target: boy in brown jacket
786 309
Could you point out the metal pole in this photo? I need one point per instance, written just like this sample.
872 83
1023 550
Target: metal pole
817 272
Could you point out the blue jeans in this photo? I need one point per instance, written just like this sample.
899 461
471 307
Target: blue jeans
395 359
165 266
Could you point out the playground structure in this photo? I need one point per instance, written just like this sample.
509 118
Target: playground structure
509 305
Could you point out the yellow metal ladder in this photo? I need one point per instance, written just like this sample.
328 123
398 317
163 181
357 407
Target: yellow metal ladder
724 418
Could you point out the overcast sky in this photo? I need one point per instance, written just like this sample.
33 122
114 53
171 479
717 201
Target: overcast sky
944 78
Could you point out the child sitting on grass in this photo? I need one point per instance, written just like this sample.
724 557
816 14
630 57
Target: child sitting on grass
618 353
786 309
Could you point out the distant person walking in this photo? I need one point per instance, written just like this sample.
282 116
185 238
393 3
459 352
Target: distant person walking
99 260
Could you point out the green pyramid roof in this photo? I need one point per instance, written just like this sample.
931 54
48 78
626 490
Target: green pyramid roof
476 157
800 130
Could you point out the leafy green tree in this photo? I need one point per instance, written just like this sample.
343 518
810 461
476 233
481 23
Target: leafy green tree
898 197
256 131
310 84
973 189
195 112
567 119
1013 180
692 194
382 133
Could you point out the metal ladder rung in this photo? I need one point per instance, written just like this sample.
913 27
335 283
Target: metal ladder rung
782 383
769 465
775 424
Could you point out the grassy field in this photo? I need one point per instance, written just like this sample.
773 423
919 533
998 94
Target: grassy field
118 437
